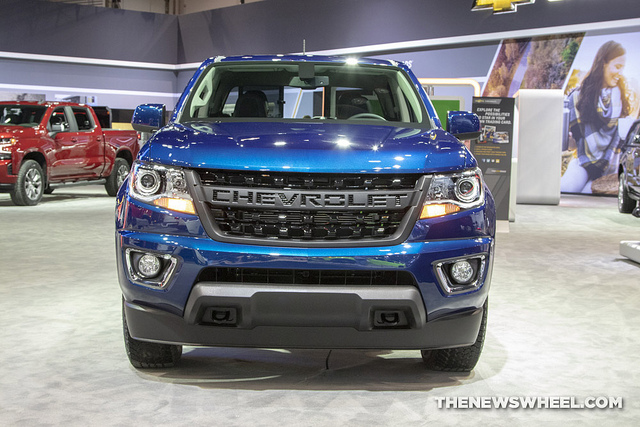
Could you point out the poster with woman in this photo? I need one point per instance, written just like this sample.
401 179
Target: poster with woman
601 102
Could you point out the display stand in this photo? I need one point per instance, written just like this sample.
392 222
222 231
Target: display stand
631 250
539 145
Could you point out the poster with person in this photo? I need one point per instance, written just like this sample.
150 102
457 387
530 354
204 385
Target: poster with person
601 103
600 77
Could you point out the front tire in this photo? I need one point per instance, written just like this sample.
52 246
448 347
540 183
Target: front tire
459 359
119 173
148 355
625 203
29 187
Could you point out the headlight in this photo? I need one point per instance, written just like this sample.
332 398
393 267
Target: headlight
6 145
452 193
161 186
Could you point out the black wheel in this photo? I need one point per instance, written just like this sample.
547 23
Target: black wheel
460 359
30 184
147 355
625 203
118 175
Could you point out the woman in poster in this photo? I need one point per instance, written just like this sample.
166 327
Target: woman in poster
594 109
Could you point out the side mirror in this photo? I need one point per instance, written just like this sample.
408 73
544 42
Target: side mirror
463 124
148 117
58 127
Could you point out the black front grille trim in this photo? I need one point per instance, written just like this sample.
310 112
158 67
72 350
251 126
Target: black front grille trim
326 218
308 225
307 277
308 181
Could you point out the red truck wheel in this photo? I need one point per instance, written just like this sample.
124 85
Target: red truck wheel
118 175
29 187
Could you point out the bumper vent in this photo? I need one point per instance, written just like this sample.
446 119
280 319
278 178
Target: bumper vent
307 277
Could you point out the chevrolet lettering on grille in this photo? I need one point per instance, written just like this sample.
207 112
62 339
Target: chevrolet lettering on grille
223 196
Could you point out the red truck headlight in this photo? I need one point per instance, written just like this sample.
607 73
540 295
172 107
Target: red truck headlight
161 186
6 145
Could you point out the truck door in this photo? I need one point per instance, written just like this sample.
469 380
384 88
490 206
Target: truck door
60 130
89 146
78 142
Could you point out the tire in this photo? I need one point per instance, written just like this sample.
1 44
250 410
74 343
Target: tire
119 173
460 359
48 190
625 203
147 355
30 185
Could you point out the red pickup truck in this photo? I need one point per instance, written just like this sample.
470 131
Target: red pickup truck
46 143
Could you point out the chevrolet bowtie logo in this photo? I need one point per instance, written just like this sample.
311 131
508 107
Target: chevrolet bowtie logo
499 6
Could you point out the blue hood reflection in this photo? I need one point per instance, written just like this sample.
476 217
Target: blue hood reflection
302 147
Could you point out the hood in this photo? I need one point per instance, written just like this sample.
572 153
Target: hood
307 147
17 131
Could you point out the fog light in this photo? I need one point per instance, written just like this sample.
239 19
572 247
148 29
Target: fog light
150 269
149 266
461 275
462 272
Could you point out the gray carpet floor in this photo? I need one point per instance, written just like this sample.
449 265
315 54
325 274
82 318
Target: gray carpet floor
564 321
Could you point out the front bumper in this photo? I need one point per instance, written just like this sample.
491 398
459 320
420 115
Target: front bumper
149 324
7 179
288 315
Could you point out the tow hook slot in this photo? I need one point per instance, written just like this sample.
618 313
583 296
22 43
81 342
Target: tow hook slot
390 319
220 316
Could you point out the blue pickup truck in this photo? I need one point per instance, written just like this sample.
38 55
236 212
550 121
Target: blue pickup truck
305 201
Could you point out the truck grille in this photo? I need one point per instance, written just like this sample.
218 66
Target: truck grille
306 277
289 208
308 224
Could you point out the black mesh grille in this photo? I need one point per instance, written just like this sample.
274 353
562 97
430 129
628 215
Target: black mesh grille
307 224
308 181
286 208
307 277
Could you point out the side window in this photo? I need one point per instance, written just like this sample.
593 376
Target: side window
83 118
58 121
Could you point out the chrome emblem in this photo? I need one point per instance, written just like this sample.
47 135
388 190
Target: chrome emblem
499 6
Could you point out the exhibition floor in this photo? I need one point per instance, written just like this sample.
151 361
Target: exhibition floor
564 320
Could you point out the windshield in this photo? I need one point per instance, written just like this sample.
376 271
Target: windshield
304 91
21 115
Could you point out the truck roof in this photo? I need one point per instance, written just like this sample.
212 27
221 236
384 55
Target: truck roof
44 103
302 58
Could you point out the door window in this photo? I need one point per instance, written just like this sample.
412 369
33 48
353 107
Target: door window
83 118
58 121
